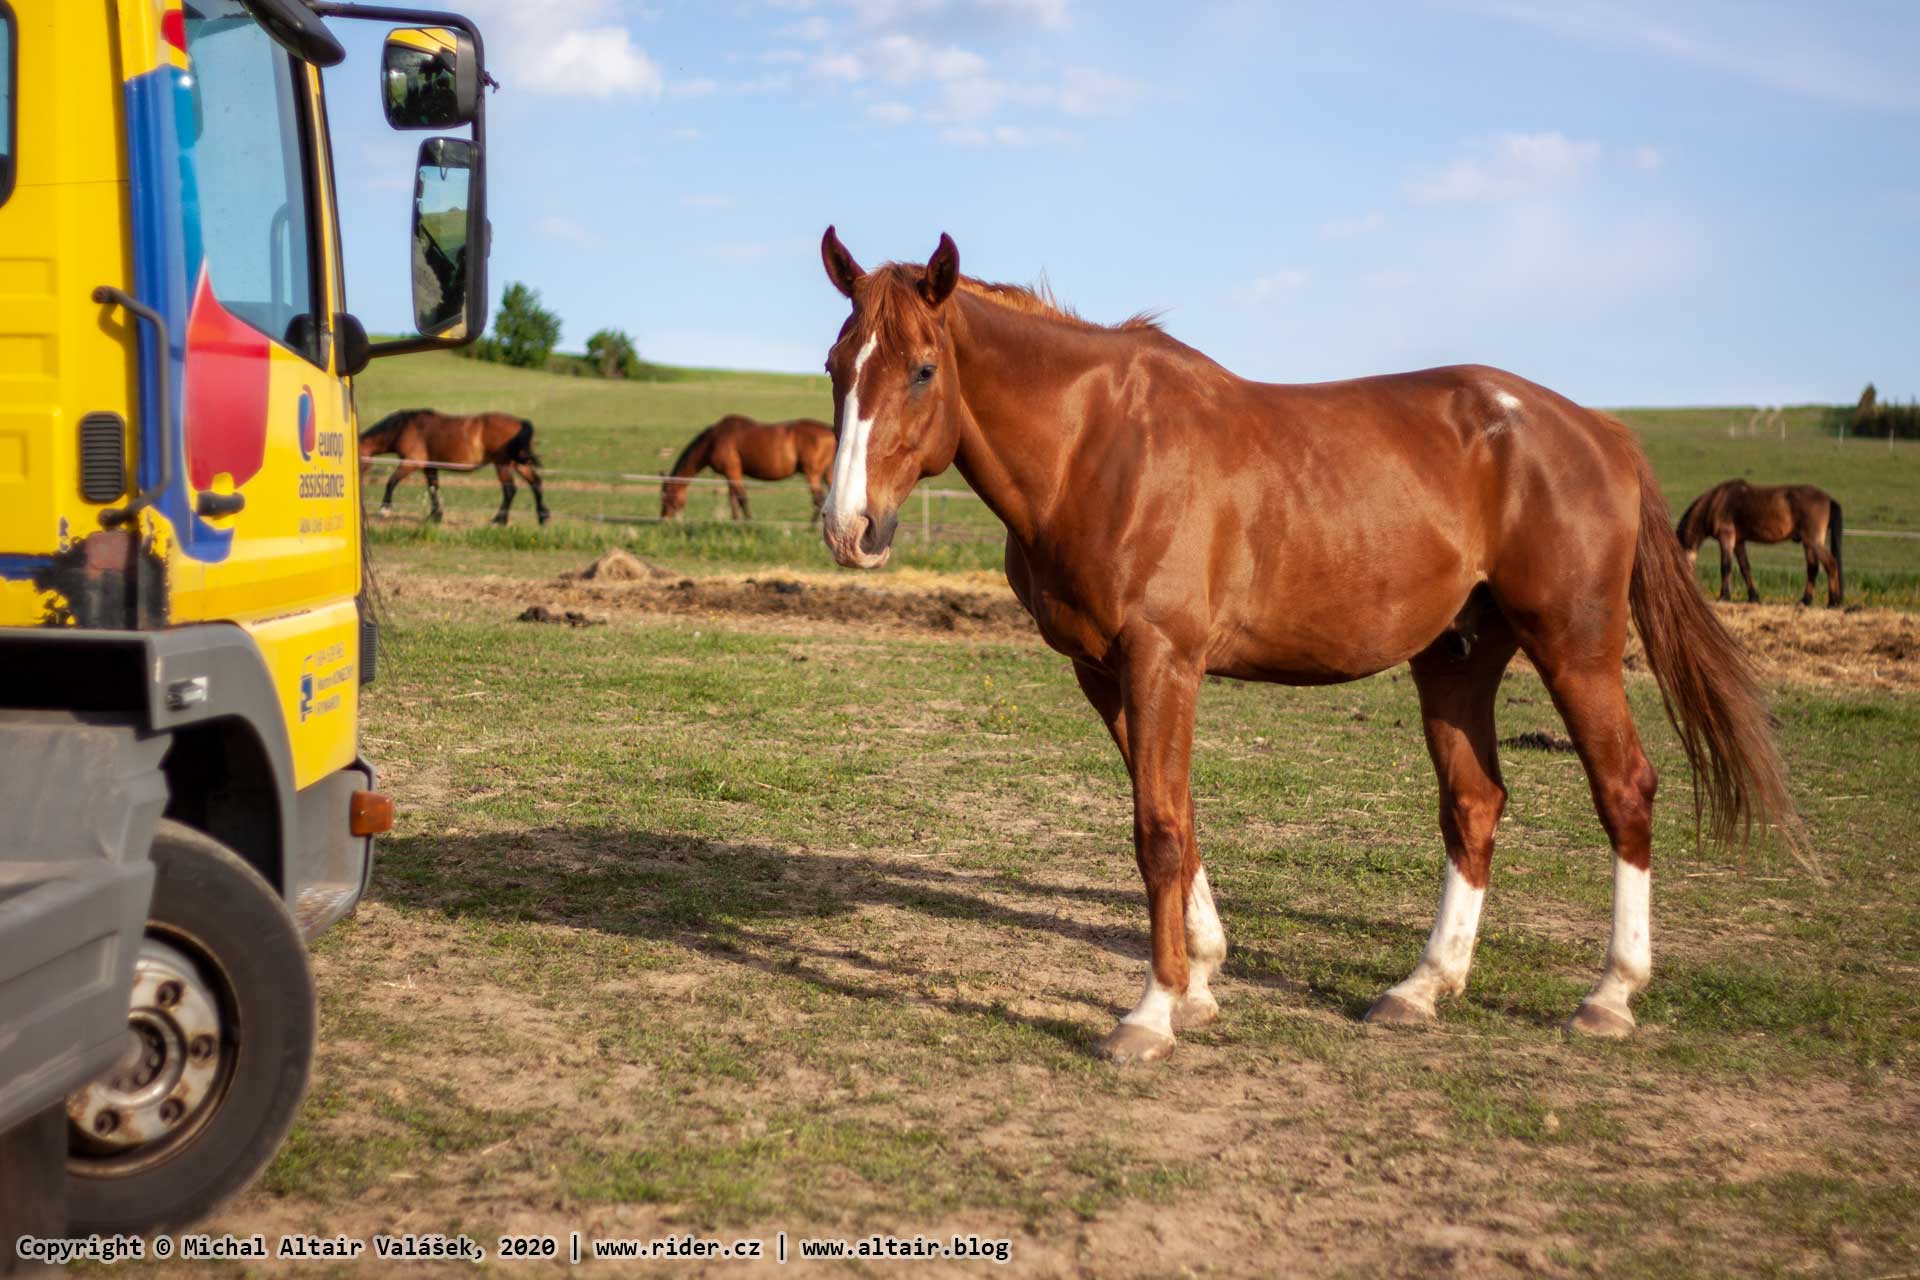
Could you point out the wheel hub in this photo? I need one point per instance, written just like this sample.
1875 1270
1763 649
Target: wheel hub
172 1062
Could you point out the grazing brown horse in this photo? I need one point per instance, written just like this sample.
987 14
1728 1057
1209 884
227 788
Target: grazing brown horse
1167 520
737 446
1734 513
465 443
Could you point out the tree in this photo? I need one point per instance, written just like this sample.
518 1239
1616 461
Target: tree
525 330
612 352
1869 402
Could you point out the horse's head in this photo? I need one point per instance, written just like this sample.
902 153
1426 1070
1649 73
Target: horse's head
894 395
673 499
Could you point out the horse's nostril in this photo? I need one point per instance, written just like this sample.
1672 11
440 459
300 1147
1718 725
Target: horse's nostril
878 535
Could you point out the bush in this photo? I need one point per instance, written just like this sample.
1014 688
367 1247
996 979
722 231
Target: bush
613 353
524 330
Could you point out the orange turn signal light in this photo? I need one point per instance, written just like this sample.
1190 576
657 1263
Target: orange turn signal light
370 813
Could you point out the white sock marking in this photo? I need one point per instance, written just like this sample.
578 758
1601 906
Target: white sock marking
847 492
1630 954
1155 1010
1206 940
1443 966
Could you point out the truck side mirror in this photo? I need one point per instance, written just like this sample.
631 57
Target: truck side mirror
429 78
296 29
449 241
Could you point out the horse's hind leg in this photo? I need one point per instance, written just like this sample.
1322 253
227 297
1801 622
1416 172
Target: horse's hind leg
505 471
1726 567
1813 570
1458 680
531 475
1592 699
818 491
433 496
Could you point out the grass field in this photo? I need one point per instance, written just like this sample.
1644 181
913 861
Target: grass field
588 425
725 920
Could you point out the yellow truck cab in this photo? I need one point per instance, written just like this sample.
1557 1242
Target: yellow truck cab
183 631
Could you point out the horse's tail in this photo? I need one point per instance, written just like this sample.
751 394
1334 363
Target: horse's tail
1708 687
1834 526
520 448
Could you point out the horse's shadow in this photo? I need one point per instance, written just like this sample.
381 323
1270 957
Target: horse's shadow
735 903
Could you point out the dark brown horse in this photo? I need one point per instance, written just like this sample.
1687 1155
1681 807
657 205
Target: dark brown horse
463 443
1167 520
739 447
1734 513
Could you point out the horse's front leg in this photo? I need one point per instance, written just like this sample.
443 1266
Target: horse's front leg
1158 689
1746 570
1726 568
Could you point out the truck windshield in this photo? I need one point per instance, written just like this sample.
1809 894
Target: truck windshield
6 101
250 168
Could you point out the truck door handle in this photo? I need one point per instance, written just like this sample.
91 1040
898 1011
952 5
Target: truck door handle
214 505
107 295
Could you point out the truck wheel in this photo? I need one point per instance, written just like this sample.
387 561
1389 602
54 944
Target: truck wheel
219 1045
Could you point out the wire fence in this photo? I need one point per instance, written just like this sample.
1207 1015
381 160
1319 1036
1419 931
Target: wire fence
632 497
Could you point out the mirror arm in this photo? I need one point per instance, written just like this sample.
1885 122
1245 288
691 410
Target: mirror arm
477 270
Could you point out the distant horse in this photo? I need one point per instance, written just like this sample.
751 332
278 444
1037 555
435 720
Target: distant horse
1167 520
738 446
1734 513
465 443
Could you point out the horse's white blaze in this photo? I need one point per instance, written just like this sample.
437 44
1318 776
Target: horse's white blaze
1630 954
1155 1010
847 491
1443 966
1206 940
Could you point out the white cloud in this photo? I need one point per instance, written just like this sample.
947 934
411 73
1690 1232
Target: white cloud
1846 53
806 29
594 62
839 66
1269 287
685 133
699 88
1007 135
1646 157
558 227
1344 228
890 112
1515 165
1387 280
1085 92
1041 13
900 59
707 202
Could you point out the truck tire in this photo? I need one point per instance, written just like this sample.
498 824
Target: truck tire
220 1045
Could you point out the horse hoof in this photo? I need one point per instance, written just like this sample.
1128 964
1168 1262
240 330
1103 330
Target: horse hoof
1130 1042
437 517
545 516
386 513
1195 1012
1391 1010
1601 1023
501 521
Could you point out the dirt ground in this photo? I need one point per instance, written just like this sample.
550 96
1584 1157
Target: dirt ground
1867 649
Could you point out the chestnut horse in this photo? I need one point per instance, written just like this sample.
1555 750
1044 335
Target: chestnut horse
737 446
466 443
1167 520
1734 513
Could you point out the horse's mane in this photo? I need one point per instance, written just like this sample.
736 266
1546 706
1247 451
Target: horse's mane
390 422
701 441
893 282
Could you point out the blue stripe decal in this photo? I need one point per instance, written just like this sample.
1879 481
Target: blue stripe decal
19 568
166 261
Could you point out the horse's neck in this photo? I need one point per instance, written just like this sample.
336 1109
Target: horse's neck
1010 457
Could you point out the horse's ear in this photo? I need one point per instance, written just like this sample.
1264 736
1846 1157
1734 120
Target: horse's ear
841 268
943 272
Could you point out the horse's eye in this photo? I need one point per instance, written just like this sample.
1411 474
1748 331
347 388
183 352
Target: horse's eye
923 374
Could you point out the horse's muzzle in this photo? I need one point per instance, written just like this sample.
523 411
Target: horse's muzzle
862 541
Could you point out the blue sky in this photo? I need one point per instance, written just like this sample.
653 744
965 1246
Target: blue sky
1632 202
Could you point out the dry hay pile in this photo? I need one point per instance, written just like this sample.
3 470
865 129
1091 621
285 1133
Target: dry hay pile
1864 649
